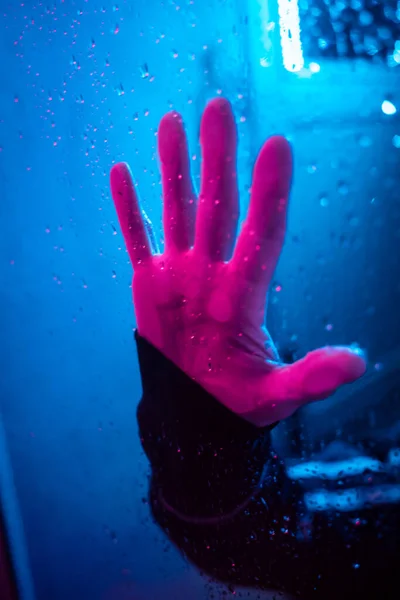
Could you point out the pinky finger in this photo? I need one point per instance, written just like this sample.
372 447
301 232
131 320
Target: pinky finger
129 214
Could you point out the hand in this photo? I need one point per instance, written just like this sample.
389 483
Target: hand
202 302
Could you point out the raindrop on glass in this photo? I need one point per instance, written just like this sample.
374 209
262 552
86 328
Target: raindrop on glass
343 188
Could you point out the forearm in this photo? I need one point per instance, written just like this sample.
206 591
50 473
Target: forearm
205 459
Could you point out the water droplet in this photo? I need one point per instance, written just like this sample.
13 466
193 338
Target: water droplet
311 168
388 108
396 141
323 200
144 71
365 141
353 221
343 188
366 18
314 67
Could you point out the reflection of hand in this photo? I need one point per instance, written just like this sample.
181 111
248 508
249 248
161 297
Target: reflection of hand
202 302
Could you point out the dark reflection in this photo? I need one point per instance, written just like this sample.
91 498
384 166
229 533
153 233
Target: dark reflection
225 499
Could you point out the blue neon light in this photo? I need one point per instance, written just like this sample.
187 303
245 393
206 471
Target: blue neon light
289 24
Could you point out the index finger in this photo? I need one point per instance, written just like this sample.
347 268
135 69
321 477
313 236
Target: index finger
261 238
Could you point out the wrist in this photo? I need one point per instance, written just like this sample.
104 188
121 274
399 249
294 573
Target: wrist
205 459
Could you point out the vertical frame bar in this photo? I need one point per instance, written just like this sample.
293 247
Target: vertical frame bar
15 576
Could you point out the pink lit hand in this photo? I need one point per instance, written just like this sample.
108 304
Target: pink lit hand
202 302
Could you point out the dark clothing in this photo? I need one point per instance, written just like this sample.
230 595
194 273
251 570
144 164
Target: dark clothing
222 496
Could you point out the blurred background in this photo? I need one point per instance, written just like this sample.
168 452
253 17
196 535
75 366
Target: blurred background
83 84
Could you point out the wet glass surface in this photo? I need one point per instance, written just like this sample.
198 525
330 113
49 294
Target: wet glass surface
84 85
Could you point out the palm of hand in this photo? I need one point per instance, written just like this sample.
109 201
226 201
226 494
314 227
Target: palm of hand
203 304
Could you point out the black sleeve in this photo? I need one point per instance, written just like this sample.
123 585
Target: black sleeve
206 460
222 496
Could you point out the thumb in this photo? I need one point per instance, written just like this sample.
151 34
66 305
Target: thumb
315 377
321 372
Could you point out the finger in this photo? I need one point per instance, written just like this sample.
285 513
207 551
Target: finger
129 214
315 377
150 233
218 209
261 238
321 372
179 197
